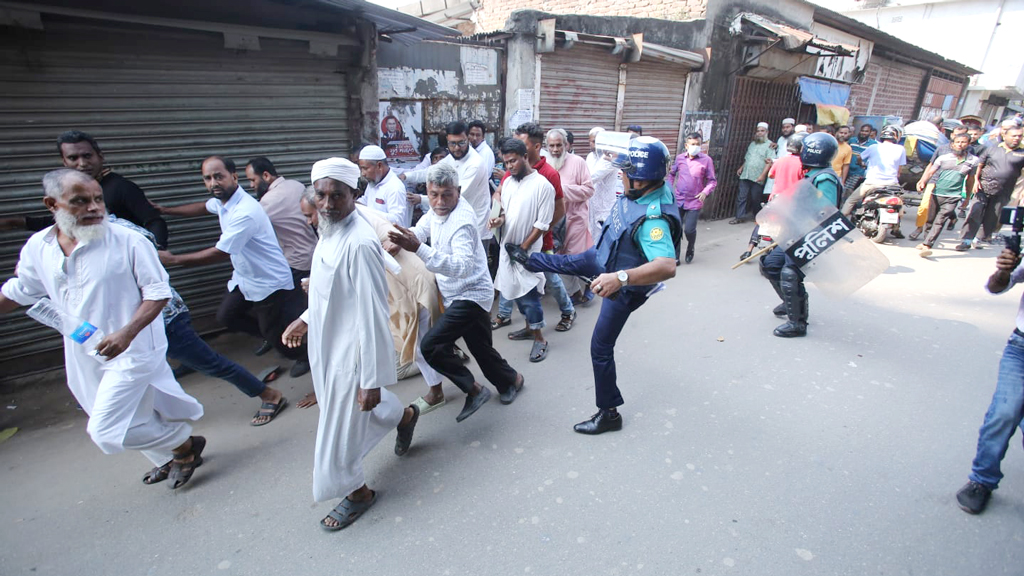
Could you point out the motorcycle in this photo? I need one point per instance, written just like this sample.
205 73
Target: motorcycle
880 212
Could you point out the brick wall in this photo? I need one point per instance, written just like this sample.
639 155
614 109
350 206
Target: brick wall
895 86
493 13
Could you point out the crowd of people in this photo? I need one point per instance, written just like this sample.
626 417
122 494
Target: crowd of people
372 273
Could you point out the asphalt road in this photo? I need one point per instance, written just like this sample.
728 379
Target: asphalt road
742 453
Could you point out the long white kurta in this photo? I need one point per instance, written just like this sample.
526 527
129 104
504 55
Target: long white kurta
350 347
133 401
528 203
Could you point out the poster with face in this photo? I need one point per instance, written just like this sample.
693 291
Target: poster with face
703 127
401 128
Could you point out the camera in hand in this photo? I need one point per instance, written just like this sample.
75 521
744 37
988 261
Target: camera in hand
1014 217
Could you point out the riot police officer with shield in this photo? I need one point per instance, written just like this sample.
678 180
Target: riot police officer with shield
635 253
777 266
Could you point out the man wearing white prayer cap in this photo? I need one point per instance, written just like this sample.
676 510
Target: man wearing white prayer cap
385 193
351 351
780 150
753 173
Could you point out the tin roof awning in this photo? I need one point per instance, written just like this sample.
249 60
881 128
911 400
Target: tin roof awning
634 48
792 39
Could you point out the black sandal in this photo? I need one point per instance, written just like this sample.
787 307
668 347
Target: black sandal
181 472
500 322
157 474
347 512
269 409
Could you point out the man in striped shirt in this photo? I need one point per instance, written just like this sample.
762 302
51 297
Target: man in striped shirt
456 257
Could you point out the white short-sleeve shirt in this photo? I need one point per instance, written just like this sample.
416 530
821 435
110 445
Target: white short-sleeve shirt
260 268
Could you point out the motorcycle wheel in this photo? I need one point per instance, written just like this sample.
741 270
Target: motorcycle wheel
880 234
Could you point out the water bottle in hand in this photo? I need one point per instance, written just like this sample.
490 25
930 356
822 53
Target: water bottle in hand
78 330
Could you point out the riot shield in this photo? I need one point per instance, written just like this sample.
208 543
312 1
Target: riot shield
614 147
827 248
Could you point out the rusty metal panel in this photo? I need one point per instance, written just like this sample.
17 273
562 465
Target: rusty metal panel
158 101
578 90
753 101
654 100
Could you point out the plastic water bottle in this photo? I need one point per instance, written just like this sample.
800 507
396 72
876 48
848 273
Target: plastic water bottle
78 330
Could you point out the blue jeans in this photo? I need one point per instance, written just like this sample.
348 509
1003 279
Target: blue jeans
185 346
557 289
1004 416
529 306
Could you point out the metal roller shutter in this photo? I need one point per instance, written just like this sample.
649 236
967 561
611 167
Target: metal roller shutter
578 90
158 100
654 100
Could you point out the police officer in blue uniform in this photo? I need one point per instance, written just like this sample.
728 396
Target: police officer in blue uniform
785 277
635 253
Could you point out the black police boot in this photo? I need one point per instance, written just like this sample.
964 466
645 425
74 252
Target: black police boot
780 310
517 254
795 296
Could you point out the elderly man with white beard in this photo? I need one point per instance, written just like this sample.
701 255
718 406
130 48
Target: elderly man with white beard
578 189
351 353
111 278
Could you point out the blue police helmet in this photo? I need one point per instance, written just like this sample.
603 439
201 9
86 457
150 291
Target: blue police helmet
648 159
819 149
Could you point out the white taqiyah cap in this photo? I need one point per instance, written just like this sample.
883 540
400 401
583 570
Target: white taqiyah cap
788 121
762 125
339 169
372 152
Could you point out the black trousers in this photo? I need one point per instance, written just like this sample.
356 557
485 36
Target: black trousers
945 211
272 315
466 320
983 214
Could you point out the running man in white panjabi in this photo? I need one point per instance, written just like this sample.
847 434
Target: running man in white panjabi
111 277
351 353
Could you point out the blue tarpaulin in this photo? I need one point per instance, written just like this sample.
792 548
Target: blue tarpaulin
814 91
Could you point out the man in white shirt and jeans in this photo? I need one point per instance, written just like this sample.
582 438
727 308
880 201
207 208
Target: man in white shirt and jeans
261 280
883 161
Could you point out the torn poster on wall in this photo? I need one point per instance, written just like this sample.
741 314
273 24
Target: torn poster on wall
479 65
401 129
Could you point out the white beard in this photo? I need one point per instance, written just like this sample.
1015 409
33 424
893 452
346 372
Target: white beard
84 234
557 161
326 227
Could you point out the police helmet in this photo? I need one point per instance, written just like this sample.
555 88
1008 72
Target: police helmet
795 143
648 159
819 148
889 133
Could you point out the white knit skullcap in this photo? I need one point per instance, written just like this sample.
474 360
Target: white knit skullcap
789 121
372 152
762 125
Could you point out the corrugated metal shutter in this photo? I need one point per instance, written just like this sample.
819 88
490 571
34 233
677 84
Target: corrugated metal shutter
578 90
753 101
158 100
654 100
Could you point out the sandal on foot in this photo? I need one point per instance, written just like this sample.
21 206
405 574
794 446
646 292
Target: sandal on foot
157 474
539 351
404 438
500 322
347 512
269 409
524 334
181 472
565 324
425 407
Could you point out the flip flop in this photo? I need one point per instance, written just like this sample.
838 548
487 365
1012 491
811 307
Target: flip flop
180 474
157 474
269 409
523 334
539 351
270 374
347 512
426 408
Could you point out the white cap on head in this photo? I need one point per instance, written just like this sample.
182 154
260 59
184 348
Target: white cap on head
338 169
789 121
800 129
762 125
596 130
372 152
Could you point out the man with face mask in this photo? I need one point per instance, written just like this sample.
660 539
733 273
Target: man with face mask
693 177
753 173
632 258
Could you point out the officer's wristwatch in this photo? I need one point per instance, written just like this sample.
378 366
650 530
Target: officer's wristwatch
623 277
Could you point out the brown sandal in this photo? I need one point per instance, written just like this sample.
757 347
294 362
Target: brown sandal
181 472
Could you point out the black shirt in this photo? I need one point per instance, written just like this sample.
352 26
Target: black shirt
1001 169
124 199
